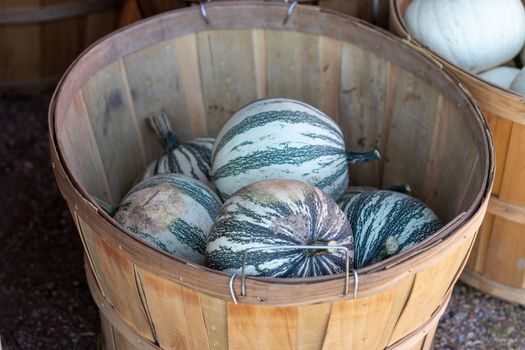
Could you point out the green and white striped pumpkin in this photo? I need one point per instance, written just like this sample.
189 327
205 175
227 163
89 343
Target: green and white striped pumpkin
278 138
173 212
192 158
378 215
273 213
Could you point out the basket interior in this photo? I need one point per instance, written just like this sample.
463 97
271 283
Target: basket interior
381 93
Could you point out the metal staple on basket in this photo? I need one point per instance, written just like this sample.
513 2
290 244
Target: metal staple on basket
245 258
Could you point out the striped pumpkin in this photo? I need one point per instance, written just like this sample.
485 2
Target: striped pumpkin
385 222
279 138
273 213
192 158
173 212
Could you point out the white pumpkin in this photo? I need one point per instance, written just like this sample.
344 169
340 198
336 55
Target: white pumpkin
500 76
518 84
474 34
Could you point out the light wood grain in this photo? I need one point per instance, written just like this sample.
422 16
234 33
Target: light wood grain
288 66
501 129
216 320
61 42
497 255
330 67
155 297
79 138
191 81
23 48
486 285
363 96
107 333
115 129
415 99
176 313
147 85
117 278
35 52
227 84
259 58
423 299
366 318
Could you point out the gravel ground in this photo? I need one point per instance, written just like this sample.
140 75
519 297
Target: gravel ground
44 298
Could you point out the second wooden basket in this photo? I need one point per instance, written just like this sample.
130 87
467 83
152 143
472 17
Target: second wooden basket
497 263
382 92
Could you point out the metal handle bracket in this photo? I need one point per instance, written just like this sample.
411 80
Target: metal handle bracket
293 247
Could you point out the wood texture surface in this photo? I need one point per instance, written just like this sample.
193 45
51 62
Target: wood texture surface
39 39
378 89
497 263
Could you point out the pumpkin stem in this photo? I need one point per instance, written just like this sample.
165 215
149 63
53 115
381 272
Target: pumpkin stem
390 247
319 252
162 127
353 157
403 188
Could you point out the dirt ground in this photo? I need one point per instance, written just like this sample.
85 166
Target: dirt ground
44 298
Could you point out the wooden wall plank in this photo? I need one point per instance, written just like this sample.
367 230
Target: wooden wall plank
290 56
122 343
359 323
413 98
330 68
262 327
362 97
190 78
400 299
114 128
312 326
505 258
259 59
512 190
176 312
227 73
216 319
22 48
429 339
462 171
476 261
62 41
152 72
107 333
501 130
76 137
429 291
116 277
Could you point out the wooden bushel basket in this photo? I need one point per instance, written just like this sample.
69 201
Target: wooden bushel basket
383 94
39 39
497 263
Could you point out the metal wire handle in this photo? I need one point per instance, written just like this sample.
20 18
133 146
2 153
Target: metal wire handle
291 7
294 247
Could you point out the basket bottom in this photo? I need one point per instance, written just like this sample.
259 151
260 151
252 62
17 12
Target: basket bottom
119 335
495 289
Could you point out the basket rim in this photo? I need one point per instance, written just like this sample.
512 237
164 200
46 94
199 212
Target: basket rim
372 279
516 110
